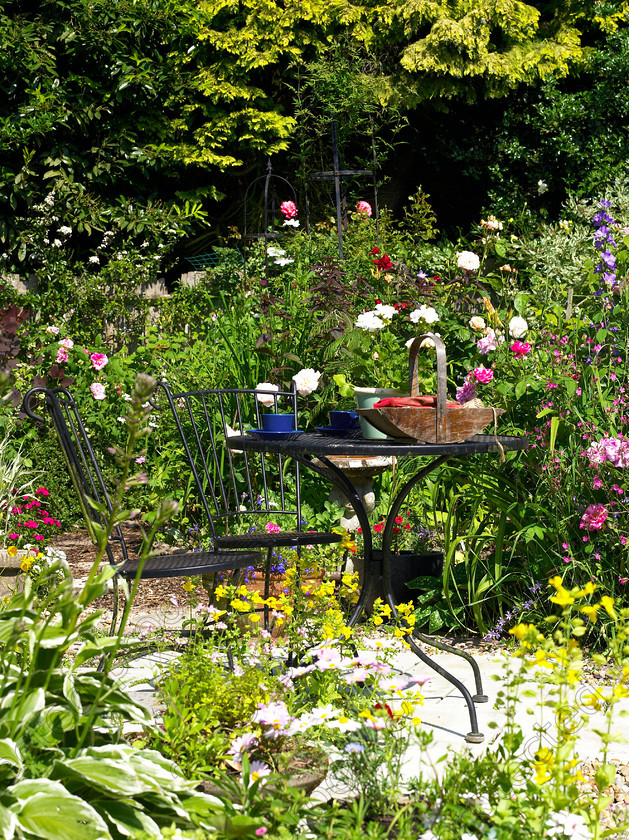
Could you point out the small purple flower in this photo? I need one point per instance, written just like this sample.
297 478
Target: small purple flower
353 748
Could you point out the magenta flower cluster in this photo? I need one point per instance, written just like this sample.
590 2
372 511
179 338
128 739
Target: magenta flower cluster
594 517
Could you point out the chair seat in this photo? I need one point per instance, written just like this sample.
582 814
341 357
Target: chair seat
260 539
186 563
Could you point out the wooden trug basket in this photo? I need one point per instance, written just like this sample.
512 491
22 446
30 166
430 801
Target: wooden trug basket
444 423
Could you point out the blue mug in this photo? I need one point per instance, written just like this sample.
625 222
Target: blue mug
344 419
278 422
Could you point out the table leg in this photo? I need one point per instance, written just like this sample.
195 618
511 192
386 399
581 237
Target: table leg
330 471
480 697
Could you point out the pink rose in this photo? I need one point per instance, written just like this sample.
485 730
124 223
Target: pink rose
466 391
62 355
99 360
594 517
53 330
520 349
487 344
67 343
364 208
98 390
289 209
483 374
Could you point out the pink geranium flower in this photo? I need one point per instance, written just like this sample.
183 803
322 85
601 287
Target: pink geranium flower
594 517
520 349
62 355
99 360
288 209
98 390
364 208
272 528
483 374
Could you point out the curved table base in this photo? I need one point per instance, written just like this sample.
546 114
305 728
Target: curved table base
373 568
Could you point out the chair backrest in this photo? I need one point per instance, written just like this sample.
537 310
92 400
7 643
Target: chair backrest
83 467
230 484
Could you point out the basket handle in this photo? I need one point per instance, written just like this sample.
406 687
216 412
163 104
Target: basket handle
442 379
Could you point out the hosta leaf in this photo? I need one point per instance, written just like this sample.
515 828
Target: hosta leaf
8 822
10 753
128 819
72 695
116 777
60 816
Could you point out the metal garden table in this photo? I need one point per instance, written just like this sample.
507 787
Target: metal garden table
314 451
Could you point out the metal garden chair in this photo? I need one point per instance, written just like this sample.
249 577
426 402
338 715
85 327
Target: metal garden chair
89 484
238 490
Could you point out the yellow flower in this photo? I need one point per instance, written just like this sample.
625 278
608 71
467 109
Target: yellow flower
12 550
254 617
346 631
26 563
563 597
188 586
587 590
240 605
520 631
608 605
540 659
377 620
544 763
591 612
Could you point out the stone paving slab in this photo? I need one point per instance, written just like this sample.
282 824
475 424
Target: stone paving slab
444 712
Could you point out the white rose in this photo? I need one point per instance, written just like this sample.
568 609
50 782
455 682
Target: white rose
307 381
385 311
369 321
266 399
424 313
467 261
518 327
477 323
274 251
428 342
